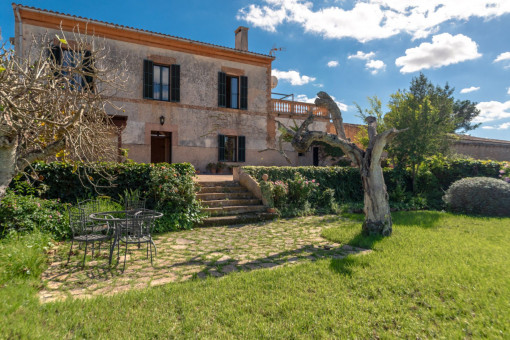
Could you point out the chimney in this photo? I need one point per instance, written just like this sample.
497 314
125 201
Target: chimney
242 38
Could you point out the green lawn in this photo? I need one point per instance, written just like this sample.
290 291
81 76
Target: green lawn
438 276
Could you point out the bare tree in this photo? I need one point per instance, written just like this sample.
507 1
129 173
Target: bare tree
54 100
376 204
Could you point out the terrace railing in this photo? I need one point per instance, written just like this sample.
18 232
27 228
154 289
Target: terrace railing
291 107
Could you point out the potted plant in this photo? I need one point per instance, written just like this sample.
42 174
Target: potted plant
211 167
231 168
220 166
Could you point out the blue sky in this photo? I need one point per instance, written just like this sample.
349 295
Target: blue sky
350 49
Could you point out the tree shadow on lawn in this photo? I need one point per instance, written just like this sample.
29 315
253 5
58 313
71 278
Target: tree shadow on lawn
224 267
423 219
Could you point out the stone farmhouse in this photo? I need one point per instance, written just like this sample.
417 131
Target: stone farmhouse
187 101
190 101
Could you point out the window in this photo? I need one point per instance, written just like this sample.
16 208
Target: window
71 60
161 82
231 148
232 91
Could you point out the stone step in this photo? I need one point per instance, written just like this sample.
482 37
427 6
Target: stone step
237 219
224 195
215 189
231 202
234 210
218 184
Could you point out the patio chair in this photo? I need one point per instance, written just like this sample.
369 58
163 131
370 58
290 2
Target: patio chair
131 206
137 229
84 229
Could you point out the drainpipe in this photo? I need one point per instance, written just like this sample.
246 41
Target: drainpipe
20 34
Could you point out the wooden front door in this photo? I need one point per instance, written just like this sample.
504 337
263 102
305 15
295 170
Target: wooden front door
161 147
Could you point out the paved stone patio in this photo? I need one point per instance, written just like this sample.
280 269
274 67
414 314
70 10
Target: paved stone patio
198 253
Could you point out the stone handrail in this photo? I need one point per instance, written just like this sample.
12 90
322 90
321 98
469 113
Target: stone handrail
281 106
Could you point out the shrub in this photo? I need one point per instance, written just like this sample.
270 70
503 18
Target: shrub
176 198
324 199
479 195
434 177
175 195
504 172
298 196
28 213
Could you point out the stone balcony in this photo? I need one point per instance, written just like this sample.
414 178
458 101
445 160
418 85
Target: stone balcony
291 107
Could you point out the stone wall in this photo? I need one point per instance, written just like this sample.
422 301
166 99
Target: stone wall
483 150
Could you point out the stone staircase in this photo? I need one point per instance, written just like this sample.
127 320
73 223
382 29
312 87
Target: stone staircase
228 203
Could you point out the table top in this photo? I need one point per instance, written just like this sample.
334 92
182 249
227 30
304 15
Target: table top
122 215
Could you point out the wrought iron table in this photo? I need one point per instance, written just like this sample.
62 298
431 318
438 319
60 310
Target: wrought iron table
129 226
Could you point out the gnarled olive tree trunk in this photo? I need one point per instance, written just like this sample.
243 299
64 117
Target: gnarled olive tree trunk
376 203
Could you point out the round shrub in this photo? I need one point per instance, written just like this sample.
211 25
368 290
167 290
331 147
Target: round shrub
479 195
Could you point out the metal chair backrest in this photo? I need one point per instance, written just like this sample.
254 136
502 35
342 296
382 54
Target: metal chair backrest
139 225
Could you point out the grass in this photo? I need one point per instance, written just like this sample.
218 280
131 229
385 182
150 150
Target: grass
438 276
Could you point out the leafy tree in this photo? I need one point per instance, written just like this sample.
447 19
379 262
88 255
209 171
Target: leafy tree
426 111
465 111
54 101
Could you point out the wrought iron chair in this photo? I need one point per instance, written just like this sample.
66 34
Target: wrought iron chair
137 229
84 229
132 206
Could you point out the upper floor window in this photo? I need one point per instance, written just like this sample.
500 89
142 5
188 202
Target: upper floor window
76 66
161 82
232 91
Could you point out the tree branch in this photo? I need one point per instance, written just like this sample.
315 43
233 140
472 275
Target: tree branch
35 155
324 100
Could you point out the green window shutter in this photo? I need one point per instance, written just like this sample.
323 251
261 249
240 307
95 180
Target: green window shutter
221 148
222 89
244 93
88 69
241 149
56 55
148 78
175 83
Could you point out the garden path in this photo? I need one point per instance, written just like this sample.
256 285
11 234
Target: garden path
193 254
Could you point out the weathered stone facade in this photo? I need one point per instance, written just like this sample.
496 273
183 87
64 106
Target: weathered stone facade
191 126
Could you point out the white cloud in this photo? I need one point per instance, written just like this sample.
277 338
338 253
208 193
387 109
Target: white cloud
370 19
375 66
445 49
263 17
469 89
293 77
508 90
332 63
503 126
305 99
493 110
361 55
502 56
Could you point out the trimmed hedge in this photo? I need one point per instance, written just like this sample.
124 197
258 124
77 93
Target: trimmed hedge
71 183
434 177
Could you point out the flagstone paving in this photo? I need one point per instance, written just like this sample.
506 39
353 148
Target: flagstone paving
198 253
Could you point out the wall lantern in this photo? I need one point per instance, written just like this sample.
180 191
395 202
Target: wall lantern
162 120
